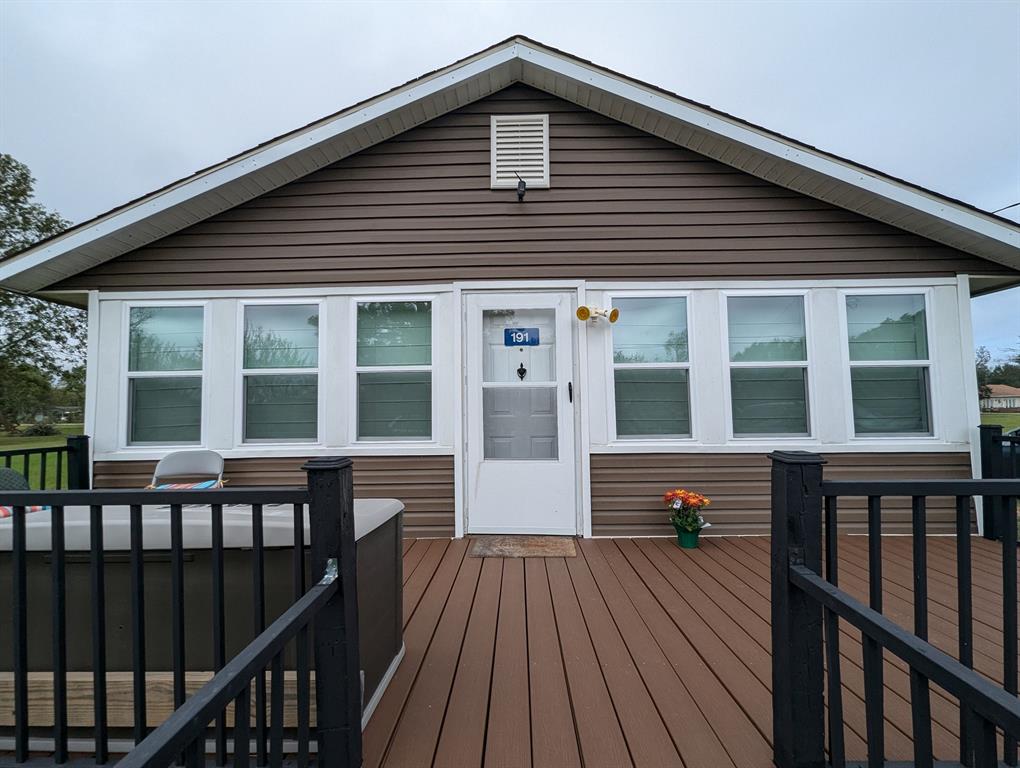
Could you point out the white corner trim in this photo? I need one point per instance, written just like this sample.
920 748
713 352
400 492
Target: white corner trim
970 385
366 713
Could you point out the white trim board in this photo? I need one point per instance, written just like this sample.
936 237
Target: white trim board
750 148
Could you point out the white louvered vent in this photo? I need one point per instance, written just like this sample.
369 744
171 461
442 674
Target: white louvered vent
520 146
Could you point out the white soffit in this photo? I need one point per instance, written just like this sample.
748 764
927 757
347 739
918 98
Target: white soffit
701 129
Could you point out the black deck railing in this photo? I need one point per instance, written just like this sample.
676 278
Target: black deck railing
55 467
331 602
1000 459
807 608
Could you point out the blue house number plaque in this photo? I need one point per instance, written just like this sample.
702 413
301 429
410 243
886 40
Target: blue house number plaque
520 337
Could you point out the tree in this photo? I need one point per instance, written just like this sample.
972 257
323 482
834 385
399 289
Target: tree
983 364
41 335
24 394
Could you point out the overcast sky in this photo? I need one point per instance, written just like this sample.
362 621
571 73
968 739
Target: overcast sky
108 101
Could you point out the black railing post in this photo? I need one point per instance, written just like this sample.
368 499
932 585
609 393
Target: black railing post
798 706
78 463
991 468
337 657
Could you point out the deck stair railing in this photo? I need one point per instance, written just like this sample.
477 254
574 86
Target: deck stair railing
807 608
53 467
329 606
1000 459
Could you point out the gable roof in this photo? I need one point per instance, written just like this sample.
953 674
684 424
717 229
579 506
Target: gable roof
1003 390
755 150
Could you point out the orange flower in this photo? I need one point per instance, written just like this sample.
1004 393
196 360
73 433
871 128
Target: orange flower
689 499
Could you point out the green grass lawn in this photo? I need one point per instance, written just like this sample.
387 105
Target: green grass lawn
1007 420
10 443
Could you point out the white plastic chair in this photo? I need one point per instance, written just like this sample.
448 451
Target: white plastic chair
207 465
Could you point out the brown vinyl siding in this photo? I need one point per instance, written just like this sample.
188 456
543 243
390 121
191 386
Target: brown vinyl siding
626 489
423 483
623 204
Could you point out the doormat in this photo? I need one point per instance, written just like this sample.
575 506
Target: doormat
522 546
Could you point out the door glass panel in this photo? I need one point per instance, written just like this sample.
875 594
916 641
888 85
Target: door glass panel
519 337
519 393
520 422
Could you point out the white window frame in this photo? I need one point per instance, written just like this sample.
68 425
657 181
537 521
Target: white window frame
355 369
728 365
241 372
546 180
930 364
612 366
124 427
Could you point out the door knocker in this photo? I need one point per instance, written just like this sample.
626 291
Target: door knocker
522 372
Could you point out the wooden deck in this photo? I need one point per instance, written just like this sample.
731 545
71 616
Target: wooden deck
636 653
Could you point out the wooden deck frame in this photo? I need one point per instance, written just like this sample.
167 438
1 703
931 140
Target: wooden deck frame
638 653
633 653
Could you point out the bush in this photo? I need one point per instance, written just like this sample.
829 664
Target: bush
39 430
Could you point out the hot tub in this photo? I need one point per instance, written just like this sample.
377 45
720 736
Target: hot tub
377 524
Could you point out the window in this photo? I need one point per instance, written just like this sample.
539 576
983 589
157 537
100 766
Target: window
165 375
520 150
651 363
768 365
394 370
889 364
280 372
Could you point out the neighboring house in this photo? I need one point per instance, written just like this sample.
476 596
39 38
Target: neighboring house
371 285
1001 397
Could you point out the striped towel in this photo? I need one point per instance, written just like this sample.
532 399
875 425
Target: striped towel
203 485
9 511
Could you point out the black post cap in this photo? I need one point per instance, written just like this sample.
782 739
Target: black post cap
327 462
798 457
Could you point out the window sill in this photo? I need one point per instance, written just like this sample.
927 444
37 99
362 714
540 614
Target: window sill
285 450
889 445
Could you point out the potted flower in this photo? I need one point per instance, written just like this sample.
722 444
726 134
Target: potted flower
685 514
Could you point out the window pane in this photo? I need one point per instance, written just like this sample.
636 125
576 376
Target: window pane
520 423
652 402
766 328
165 339
887 327
165 410
395 405
395 333
281 407
890 400
537 355
651 331
769 401
284 336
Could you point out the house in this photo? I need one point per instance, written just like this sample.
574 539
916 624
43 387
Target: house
1001 397
399 282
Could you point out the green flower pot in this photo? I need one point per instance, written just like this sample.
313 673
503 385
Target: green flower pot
687 539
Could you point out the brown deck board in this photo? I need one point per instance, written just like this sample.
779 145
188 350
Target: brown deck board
463 743
692 733
418 632
422 718
638 653
418 582
598 729
649 741
745 740
508 737
553 732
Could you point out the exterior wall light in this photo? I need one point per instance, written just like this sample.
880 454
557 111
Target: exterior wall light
585 314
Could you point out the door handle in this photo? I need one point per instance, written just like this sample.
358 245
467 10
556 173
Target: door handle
570 391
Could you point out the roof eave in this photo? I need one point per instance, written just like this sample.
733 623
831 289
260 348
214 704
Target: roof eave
728 139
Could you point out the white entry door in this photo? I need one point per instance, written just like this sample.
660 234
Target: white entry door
521 463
